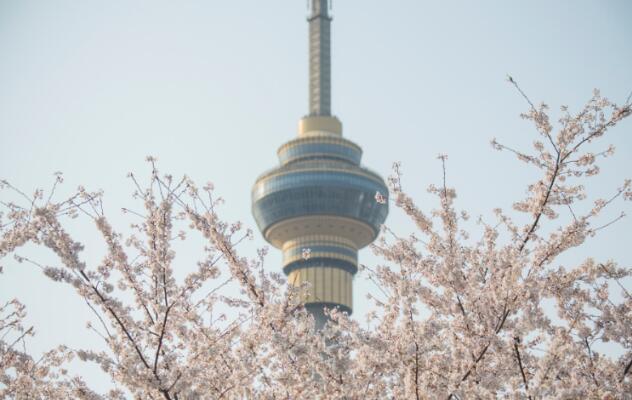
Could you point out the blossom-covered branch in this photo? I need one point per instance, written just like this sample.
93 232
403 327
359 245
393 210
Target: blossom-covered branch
461 310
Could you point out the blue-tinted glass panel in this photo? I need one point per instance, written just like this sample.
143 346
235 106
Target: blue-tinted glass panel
315 179
350 202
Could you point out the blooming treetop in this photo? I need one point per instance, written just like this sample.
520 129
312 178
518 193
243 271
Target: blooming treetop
454 318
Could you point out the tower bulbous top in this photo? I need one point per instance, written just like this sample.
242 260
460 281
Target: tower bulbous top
320 177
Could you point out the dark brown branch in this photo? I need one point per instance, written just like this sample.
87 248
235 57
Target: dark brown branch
499 327
513 82
160 339
544 202
626 370
116 317
165 394
417 371
592 365
524 377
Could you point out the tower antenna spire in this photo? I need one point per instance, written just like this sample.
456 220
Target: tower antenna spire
319 59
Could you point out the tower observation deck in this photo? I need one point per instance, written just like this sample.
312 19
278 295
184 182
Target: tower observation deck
320 201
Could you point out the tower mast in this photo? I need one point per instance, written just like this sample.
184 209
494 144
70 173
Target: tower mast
319 59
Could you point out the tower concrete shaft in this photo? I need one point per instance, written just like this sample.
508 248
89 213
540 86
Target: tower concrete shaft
319 59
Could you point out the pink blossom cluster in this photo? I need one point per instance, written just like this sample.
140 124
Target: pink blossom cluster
453 317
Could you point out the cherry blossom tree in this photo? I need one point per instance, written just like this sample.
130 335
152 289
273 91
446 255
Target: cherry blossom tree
457 314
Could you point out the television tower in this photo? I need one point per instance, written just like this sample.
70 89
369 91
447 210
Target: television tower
319 206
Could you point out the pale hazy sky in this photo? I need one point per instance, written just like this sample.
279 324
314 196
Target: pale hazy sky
213 88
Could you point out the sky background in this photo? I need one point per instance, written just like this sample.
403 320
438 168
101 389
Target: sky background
213 88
